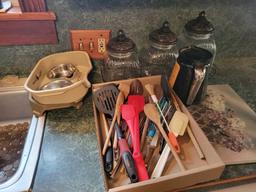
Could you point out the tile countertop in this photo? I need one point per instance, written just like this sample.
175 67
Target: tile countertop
69 158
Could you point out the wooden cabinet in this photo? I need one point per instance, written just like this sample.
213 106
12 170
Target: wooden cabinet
27 28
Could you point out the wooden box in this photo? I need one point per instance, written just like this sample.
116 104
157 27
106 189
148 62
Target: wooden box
197 170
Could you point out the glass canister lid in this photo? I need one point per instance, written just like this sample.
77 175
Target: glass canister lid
199 25
121 44
163 35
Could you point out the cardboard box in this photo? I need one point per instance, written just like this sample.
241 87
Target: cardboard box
197 170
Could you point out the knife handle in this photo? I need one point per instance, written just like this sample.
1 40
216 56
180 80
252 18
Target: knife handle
108 160
128 160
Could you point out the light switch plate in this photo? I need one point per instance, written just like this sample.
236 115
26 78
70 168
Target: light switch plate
94 42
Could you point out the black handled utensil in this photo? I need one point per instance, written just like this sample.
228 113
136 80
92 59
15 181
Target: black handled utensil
126 156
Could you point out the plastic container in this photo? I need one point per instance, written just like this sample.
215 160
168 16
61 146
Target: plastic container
73 93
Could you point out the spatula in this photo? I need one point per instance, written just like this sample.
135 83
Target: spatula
115 110
190 133
179 120
130 112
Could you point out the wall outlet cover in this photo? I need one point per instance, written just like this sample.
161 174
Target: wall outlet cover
94 42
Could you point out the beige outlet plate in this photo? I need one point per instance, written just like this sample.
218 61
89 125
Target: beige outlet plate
92 41
101 45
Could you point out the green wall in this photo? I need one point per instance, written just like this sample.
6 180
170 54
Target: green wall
234 21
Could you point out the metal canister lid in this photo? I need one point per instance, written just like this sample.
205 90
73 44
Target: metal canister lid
121 43
163 35
199 25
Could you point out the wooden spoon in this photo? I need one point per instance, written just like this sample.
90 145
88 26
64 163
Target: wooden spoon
124 88
152 113
172 137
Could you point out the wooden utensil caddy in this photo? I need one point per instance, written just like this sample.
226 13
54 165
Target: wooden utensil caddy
197 170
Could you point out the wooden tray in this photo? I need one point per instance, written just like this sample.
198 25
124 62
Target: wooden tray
197 170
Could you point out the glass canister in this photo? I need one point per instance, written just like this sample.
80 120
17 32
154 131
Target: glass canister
199 32
162 53
122 60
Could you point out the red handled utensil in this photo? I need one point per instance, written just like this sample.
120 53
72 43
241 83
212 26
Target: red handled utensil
127 158
130 112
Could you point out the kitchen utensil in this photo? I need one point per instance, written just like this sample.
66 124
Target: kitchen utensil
172 137
115 141
190 133
108 160
130 112
174 74
179 123
165 87
61 70
136 87
115 169
126 155
179 120
192 80
199 75
182 120
152 144
105 100
144 133
158 170
60 83
119 102
151 112
108 100
105 125
124 88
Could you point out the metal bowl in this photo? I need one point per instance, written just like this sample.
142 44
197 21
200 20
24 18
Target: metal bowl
62 70
56 84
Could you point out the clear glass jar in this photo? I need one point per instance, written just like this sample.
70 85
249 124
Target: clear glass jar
122 60
199 32
162 53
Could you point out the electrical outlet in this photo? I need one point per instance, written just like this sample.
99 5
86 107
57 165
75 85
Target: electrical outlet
101 45
94 42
